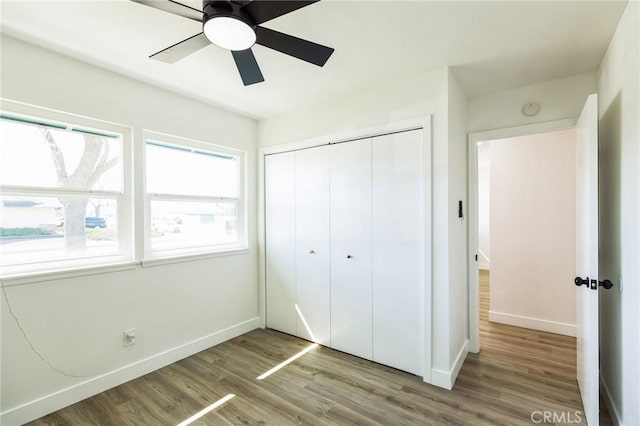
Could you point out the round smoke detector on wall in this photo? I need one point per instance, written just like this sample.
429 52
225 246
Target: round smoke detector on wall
530 108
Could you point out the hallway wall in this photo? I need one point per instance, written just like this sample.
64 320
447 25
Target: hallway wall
533 224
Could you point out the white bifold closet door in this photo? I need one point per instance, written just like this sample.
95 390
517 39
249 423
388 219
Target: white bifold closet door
280 215
313 245
398 251
351 316
345 247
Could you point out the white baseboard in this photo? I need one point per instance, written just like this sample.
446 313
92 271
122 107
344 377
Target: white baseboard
533 323
446 379
608 401
40 407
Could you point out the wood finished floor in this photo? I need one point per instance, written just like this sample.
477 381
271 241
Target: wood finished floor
517 371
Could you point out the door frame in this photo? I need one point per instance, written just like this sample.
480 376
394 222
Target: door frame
422 122
472 223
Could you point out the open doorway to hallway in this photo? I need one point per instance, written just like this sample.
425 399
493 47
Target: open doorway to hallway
525 233
527 229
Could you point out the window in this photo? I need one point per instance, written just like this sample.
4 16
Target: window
63 198
67 191
194 200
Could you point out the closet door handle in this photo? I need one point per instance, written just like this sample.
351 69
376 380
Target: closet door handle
312 252
349 256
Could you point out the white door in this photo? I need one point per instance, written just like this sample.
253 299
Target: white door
587 258
280 242
351 317
398 251
312 245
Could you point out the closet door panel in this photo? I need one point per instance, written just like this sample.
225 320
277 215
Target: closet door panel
398 251
312 245
351 317
280 242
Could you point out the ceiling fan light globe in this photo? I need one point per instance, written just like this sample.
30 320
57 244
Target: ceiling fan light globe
229 33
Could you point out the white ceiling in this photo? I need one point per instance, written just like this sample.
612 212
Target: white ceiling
490 45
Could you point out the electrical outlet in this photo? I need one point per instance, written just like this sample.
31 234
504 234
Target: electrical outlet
129 337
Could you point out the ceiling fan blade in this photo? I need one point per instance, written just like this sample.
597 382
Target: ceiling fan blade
293 46
173 7
182 49
265 10
247 66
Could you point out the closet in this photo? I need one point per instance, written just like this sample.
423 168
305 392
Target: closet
344 227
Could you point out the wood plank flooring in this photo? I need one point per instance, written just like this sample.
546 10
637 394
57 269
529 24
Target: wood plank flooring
517 372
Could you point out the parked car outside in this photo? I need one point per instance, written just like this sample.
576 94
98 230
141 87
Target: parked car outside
91 222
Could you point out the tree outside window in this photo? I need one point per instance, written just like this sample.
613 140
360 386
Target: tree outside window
60 191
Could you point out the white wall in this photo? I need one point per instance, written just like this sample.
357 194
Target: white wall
533 225
619 202
401 100
397 101
176 309
458 272
558 99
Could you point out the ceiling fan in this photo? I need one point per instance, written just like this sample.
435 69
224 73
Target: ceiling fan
235 26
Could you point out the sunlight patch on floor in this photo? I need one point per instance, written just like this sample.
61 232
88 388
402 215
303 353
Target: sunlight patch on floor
206 410
288 361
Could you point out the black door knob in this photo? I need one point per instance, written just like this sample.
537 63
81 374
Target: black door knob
579 281
606 284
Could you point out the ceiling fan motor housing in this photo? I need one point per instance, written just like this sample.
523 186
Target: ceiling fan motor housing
220 8
226 25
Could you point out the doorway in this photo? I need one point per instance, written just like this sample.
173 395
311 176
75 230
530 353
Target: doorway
586 208
527 229
522 282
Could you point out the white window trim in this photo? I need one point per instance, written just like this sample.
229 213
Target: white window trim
153 257
124 197
75 271
151 262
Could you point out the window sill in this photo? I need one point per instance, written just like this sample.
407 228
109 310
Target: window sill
32 277
16 279
151 262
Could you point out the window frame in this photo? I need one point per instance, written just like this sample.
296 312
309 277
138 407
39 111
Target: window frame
124 197
152 256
